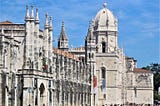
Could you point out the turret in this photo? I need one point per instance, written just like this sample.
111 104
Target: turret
105 30
37 17
46 36
27 35
90 51
90 44
50 34
37 23
36 43
50 44
32 13
29 38
46 44
27 17
32 34
46 22
63 39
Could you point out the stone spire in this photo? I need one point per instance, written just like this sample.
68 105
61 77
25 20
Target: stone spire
63 35
32 13
63 39
27 17
46 21
37 16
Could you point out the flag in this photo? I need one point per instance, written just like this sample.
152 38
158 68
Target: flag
94 84
103 85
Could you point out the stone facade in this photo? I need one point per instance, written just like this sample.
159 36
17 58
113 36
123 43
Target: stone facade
35 73
116 79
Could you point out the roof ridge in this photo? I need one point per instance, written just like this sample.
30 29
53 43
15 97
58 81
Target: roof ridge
140 70
65 54
6 22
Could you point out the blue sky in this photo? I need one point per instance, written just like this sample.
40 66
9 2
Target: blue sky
138 20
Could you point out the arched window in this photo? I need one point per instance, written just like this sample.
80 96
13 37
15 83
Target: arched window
41 89
103 47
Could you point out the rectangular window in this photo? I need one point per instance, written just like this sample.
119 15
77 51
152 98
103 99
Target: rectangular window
103 47
103 74
49 84
135 91
50 97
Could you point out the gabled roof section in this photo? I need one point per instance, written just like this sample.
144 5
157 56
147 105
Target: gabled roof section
65 54
140 70
63 35
6 22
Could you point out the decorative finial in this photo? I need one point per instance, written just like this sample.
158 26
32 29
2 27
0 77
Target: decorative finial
37 16
62 23
27 12
104 4
32 12
50 21
46 22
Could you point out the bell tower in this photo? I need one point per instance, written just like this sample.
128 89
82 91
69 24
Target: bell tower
90 50
105 76
105 30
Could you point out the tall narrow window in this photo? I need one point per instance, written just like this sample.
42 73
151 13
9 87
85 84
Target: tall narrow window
135 91
49 83
92 55
89 55
103 87
103 73
103 47
36 95
41 89
50 97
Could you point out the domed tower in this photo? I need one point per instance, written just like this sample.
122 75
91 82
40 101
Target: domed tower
105 30
105 74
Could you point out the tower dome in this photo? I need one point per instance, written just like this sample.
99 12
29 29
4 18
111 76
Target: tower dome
105 20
